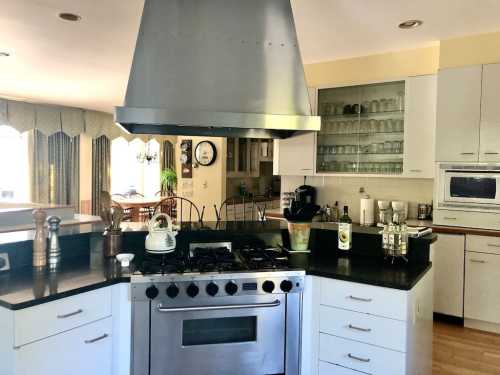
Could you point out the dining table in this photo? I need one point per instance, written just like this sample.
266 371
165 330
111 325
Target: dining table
138 208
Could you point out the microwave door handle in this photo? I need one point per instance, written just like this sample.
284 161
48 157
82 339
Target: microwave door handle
218 307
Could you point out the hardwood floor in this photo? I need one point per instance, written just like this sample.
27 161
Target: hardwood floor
463 351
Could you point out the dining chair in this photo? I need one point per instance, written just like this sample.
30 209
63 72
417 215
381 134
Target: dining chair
178 208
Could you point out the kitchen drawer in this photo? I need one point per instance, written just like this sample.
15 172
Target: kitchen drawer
482 244
482 297
363 327
374 300
84 350
38 322
484 220
326 368
361 357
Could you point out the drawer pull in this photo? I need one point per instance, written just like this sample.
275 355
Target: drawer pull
64 316
415 170
359 328
491 153
467 153
493 245
360 299
449 218
477 261
366 360
91 341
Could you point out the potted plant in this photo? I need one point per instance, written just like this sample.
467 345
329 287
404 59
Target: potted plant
168 181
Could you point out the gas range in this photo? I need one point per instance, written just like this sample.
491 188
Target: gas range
217 310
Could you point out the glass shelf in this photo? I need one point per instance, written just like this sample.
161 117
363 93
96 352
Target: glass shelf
379 127
365 115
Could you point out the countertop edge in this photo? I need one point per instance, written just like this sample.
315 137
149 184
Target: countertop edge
65 294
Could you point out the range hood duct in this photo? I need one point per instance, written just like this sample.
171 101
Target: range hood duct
217 68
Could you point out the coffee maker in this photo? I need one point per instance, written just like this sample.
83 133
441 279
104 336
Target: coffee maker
305 194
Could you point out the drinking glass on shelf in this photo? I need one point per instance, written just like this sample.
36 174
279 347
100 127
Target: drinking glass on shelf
365 106
380 148
388 147
383 105
391 104
400 125
396 147
364 126
340 149
338 108
374 106
400 100
389 125
341 127
373 126
381 126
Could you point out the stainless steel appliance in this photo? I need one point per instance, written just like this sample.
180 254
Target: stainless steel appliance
467 195
188 78
217 311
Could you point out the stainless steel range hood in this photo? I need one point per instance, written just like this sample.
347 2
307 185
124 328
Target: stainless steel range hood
217 68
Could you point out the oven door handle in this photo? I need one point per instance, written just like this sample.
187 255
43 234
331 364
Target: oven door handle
218 307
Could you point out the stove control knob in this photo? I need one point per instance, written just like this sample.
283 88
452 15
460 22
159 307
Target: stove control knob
268 286
192 290
172 291
286 286
231 288
212 289
152 292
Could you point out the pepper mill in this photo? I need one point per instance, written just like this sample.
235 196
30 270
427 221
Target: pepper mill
54 248
40 239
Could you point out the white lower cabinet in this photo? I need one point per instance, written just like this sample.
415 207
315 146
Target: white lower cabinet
353 328
81 351
88 333
361 357
326 368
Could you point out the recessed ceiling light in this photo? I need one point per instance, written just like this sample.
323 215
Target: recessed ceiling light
4 54
410 24
70 17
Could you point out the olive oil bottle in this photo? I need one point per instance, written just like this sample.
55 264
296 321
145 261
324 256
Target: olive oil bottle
345 230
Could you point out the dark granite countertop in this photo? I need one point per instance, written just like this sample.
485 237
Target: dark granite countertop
364 270
27 287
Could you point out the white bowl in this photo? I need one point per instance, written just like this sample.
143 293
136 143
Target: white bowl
125 259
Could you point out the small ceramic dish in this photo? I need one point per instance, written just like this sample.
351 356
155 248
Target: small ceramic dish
125 259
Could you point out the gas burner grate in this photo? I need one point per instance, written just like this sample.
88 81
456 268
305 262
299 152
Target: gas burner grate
206 259
163 264
264 258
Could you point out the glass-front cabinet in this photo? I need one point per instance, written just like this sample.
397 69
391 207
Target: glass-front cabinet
362 129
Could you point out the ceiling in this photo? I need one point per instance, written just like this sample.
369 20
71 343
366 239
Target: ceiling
86 64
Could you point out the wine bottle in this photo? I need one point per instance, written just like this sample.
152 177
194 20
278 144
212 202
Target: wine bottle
345 231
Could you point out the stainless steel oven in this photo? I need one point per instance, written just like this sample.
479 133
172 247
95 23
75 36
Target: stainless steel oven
250 326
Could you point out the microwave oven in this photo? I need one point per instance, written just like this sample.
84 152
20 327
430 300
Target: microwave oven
468 187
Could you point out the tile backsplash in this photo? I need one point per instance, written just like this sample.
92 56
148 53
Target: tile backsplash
345 190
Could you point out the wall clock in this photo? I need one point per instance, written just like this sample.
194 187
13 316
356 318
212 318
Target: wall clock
205 153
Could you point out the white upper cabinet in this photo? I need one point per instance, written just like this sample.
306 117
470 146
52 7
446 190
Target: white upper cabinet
489 150
294 156
421 92
458 114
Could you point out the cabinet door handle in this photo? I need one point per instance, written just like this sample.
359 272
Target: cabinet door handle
467 153
91 341
493 245
360 299
415 170
305 169
359 328
361 359
477 261
64 316
449 218
491 153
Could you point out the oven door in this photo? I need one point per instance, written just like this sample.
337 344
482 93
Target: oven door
223 335
472 188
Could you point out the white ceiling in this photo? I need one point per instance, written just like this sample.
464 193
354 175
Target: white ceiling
86 64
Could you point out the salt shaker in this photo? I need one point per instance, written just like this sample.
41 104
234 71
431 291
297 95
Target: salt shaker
40 239
54 248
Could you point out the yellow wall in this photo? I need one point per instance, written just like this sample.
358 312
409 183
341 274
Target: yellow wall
380 67
208 185
470 50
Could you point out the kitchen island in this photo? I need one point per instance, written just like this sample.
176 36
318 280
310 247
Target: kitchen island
364 274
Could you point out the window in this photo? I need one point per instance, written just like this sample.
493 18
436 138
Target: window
127 173
14 168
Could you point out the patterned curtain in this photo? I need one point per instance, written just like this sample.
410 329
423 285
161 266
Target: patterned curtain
167 151
39 165
64 169
101 162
